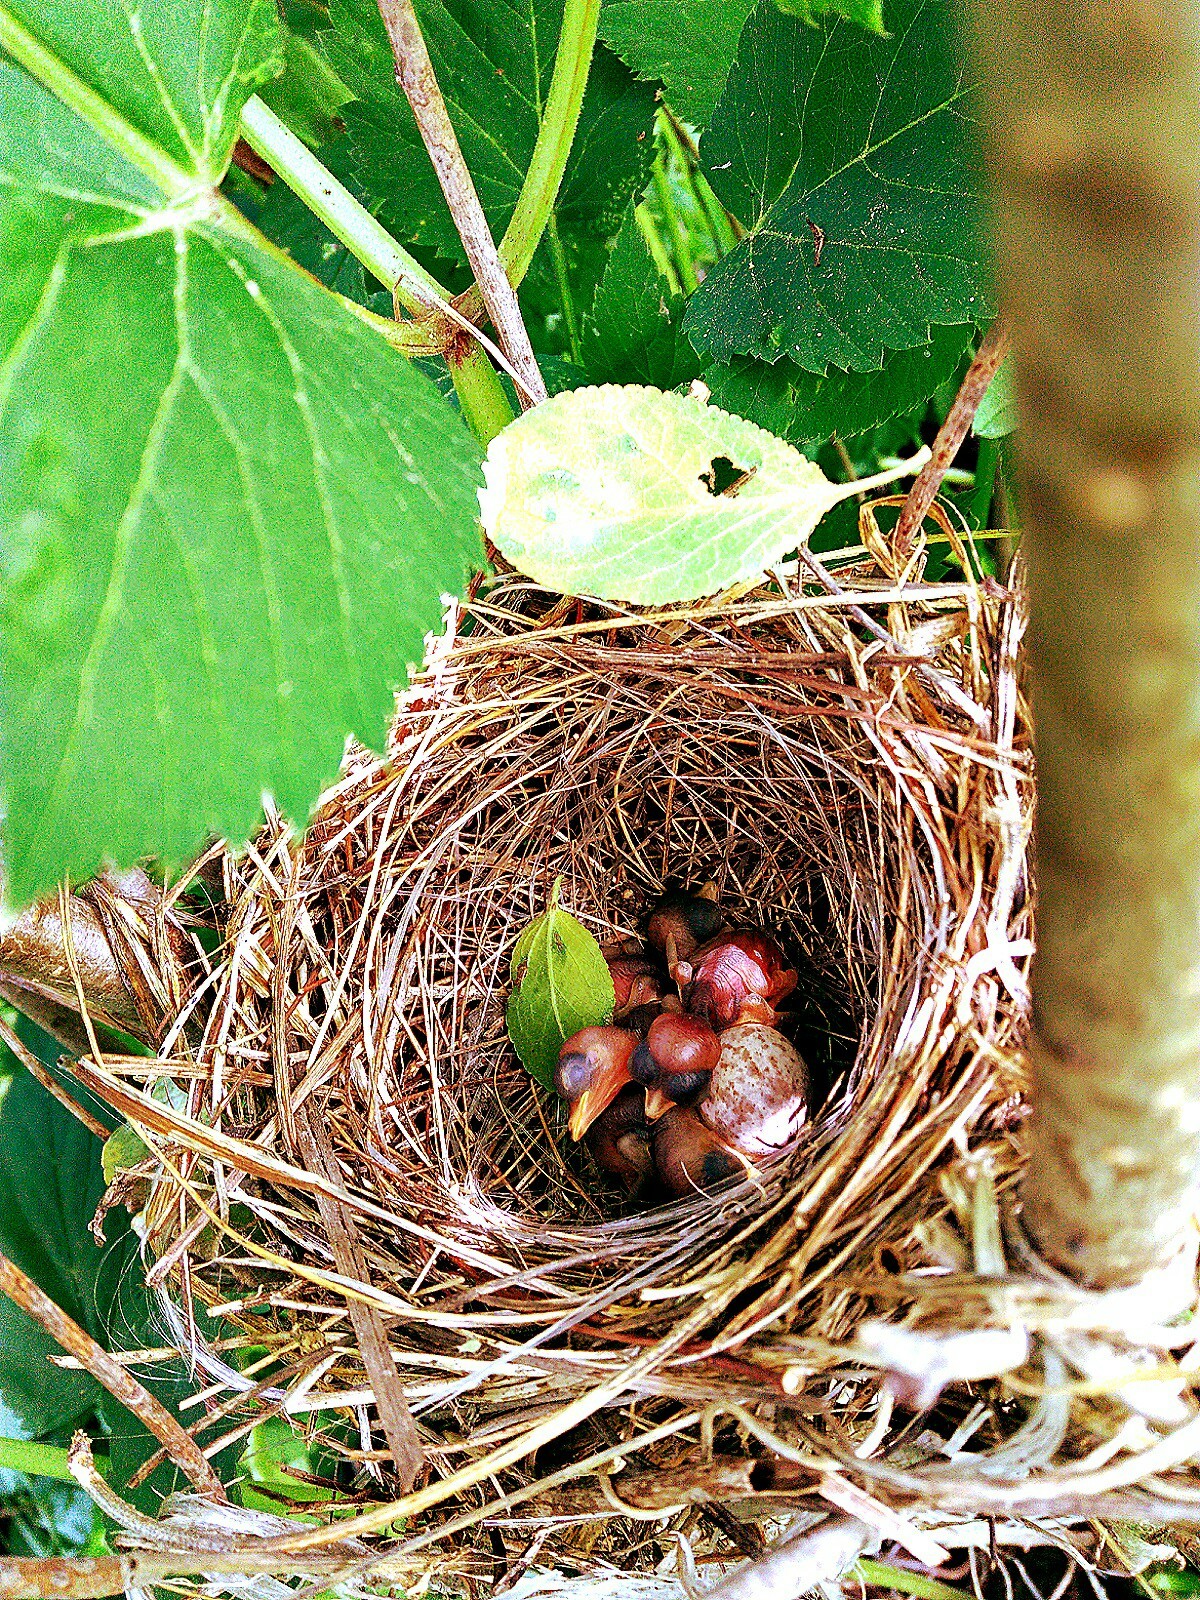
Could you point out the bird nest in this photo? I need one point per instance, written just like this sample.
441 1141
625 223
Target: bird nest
353 1175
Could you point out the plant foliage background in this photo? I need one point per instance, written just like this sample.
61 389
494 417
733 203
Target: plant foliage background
230 509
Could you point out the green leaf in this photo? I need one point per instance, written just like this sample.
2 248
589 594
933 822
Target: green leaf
228 510
178 73
51 1182
867 13
635 332
122 1149
686 45
273 1447
309 93
494 60
689 45
633 494
997 414
852 160
563 984
808 410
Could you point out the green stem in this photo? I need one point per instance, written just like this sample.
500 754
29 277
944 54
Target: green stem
902 1581
711 208
345 217
175 182
40 1460
566 299
683 254
985 482
556 134
480 393
657 248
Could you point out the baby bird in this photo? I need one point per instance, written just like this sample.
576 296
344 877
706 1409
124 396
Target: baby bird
680 922
757 1098
619 1140
593 1068
636 983
736 977
689 1156
675 1062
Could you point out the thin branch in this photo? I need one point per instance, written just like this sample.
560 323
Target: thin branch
399 1428
123 1386
950 436
49 1082
415 75
800 1562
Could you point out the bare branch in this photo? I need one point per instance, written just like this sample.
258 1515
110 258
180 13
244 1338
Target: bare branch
123 1386
951 435
415 75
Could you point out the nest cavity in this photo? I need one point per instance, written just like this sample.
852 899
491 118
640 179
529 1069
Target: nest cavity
352 1167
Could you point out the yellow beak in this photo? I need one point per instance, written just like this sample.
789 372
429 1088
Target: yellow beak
597 1097
657 1104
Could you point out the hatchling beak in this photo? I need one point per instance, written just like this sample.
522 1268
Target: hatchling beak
657 1104
597 1097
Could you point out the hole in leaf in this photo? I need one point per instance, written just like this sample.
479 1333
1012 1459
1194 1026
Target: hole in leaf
724 478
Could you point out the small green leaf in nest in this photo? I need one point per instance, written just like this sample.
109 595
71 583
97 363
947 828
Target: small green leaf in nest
123 1149
562 984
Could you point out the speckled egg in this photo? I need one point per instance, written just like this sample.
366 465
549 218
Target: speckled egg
758 1097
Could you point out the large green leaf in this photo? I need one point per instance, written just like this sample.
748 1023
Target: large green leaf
808 410
867 13
179 71
852 160
50 1184
997 414
228 510
494 60
309 94
687 45
633 494
635 332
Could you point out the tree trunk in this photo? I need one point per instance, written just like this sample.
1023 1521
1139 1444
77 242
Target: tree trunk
1094 132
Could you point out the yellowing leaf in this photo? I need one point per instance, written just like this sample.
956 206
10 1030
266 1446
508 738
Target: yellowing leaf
123 1148
562 984
634 494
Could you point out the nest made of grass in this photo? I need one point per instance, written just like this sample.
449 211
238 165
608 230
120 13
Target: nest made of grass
347 1148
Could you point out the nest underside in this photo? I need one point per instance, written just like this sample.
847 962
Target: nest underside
348 1158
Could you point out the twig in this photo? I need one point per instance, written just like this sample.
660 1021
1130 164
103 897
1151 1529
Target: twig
123 1386
49 1082
415 75
398 1426
951 435
801 1562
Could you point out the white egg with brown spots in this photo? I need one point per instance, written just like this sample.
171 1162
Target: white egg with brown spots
758 1097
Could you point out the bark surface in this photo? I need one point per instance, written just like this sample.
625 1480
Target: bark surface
1094 132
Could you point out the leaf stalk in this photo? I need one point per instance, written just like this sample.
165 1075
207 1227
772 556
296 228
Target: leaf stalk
346 218
556 135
